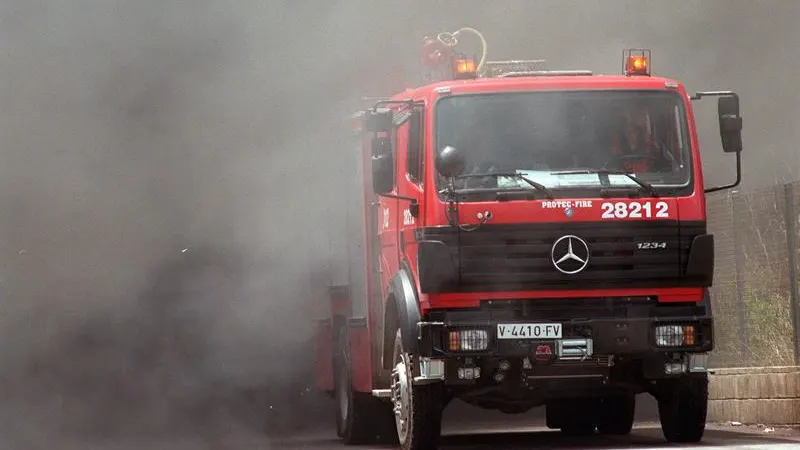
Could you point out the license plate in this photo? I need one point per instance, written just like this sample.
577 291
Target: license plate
529 331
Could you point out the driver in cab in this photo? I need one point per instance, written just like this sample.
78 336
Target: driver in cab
634 148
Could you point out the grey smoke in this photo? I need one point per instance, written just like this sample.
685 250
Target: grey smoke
134 130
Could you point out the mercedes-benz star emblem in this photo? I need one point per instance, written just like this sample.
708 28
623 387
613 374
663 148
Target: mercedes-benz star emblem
570 254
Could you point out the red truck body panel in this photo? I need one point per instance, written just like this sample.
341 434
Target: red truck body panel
689 208
388 229
510 293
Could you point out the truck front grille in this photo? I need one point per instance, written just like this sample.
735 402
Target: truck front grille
518 257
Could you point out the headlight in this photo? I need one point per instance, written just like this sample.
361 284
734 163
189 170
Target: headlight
675 335
468 340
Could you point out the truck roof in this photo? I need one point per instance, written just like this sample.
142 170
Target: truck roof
544 82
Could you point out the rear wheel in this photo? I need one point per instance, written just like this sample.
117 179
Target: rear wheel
575 417
360 417
682 408
579 427
616 414
417 408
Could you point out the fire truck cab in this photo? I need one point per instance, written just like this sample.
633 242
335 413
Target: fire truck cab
517 238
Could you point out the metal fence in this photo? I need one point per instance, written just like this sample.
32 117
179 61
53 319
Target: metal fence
755 293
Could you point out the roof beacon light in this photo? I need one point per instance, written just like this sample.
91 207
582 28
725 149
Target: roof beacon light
464 67
636 62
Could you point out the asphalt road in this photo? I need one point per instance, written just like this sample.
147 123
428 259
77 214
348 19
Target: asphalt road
645 437
467 428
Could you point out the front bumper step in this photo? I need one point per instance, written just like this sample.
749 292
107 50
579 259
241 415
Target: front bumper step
382 393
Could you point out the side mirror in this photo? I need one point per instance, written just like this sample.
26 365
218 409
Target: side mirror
730 130
378 120
382 165
450 162
730 123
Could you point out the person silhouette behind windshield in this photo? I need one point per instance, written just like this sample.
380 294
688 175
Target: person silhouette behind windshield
479 141
634 148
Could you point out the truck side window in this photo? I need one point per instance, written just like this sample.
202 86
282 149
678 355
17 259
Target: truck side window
416 162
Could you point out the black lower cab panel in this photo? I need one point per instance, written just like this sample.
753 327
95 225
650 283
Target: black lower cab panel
515 355
515 385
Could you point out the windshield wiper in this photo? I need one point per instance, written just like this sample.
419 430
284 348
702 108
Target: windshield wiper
536 185
645 185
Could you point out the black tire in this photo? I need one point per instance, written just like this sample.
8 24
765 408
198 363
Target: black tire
579 427
424 424
616 414
682 408
574 417
360 417
555 415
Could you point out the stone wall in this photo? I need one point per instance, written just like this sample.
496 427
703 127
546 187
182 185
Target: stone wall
756 395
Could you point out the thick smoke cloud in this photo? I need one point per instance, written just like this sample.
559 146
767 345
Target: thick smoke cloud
166 172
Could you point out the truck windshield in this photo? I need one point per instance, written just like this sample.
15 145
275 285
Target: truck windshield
568 139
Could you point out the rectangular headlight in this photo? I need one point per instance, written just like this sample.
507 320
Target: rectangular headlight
468 340
676 335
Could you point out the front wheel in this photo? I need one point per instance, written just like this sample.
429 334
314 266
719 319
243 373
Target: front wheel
574 416
682 408
616 414
418 409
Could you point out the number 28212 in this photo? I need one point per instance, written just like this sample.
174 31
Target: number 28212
634 210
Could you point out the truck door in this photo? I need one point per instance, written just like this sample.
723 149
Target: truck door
411 169
387 215
398 222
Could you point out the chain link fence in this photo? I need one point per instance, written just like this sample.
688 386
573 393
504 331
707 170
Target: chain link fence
755 289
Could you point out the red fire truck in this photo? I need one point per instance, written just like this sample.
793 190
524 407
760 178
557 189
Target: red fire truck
519 237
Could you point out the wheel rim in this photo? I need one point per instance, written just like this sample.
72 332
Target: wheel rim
343 393
401 397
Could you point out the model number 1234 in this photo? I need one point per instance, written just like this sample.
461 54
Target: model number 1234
634 210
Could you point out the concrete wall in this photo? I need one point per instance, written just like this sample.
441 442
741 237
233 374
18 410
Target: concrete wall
759 395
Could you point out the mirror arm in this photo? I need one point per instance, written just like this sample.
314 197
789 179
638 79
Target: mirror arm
399 197
738 177
413 208
699 95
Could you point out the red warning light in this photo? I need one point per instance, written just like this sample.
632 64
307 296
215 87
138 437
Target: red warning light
464 68
638 63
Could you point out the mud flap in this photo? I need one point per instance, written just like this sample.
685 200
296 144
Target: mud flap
324 356
360 354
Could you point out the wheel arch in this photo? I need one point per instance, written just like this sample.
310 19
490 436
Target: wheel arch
402 311
390 321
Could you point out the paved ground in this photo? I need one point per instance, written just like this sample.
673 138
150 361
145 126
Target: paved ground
465 428
645 437
469 428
